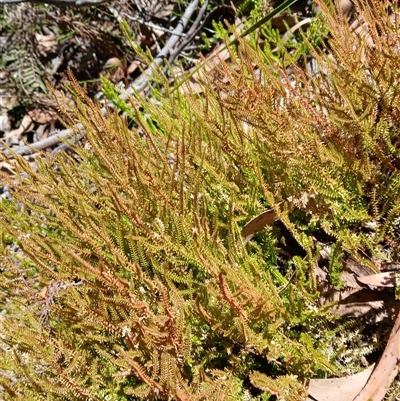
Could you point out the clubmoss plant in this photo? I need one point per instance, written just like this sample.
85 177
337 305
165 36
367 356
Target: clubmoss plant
134 281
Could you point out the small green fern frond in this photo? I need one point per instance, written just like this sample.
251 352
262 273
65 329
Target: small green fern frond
275 386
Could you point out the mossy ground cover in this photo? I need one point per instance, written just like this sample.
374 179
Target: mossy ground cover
134 279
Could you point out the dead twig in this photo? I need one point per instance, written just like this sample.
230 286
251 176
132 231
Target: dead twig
193 31
153 26
56 2
144 78
140 83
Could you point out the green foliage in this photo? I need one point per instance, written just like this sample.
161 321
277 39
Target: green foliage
15 51
134 281
112 94
335 264
277 10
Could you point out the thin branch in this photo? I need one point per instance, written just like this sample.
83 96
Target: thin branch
193 31
153 26
139 84
56 2
52 140
144 78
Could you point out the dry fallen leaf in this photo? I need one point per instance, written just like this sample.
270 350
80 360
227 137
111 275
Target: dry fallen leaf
387 279
46 43
133 67
25 126
353 300
339 389
263 219
373 306
40 116
257 224
5 124
385 370
352 266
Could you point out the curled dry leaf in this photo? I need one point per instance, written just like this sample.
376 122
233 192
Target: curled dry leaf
46 43
387 279
265 218
25 126
373 306
339 389
352 266
133 67
115 69
5 124
353 300
257 224
113 62
385 370
40 116
368 385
